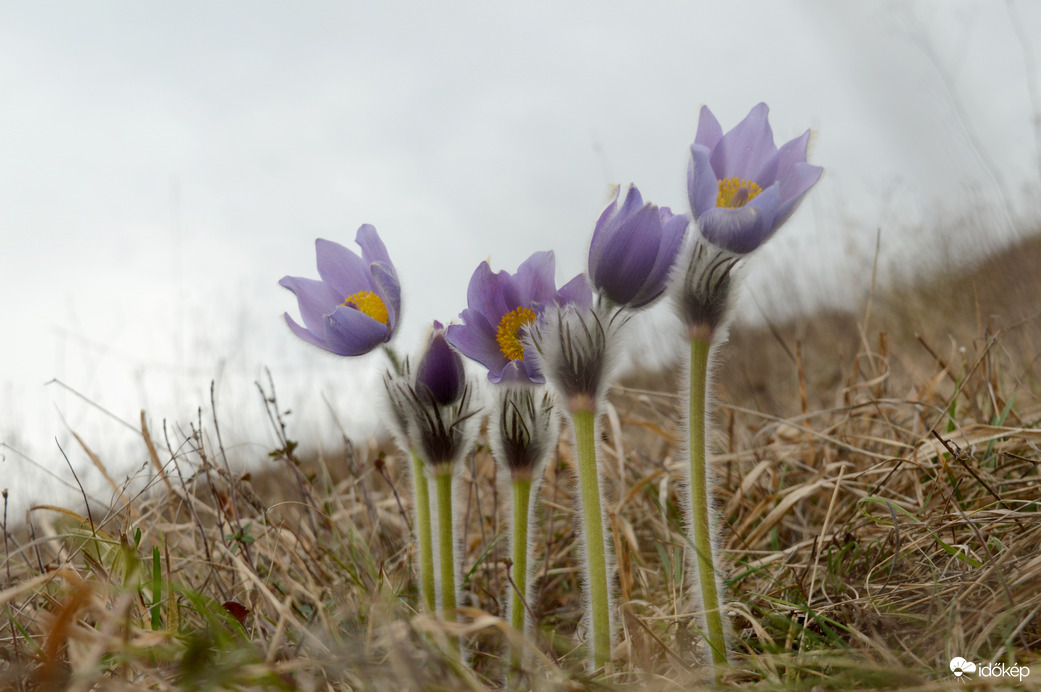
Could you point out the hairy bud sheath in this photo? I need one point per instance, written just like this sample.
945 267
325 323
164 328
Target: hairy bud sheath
578 351
702 293
525 432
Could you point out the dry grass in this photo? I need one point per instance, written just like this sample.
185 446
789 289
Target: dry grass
878 484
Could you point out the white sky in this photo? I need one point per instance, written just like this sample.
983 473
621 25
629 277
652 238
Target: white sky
163 165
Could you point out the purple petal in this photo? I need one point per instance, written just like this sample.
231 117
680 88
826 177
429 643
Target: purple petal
702 183
766 175
518 372
533 284
607 225
440 373
743 151
476 340
791 153
351 332
802 177
633 202
372 248
674 230
576 291
596 247
709 131
600 233
343 270
629 255
389 290
767 203
314 298
306 335
484 293
737 230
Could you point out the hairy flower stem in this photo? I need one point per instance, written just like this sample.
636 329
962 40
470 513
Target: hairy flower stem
446 545
699 500
596 559
421 488
519 570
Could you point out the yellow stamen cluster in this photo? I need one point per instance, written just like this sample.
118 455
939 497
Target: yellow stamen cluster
734 192
370 304
508 332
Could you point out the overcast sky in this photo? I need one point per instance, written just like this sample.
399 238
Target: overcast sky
163 165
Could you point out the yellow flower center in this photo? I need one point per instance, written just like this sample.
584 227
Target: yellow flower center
508 332
734 193
370 304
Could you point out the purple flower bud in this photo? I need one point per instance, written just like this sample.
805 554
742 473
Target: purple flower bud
740 185
356 304
432 405
440 376
633 250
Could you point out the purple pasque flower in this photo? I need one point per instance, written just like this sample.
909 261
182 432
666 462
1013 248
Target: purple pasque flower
633 249
501 307
741 186
356 304
436 403
440 375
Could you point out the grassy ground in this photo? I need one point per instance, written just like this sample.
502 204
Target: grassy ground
878 486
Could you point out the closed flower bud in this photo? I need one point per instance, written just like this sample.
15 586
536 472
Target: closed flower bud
440 375
633 249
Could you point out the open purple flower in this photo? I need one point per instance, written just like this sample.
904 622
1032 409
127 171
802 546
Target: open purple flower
356 304
634 247
741 186
500 309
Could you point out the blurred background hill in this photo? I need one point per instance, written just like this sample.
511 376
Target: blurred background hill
936 320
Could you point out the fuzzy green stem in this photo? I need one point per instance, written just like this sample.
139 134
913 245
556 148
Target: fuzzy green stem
596 560
421 488
519 570
699 500
446 543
